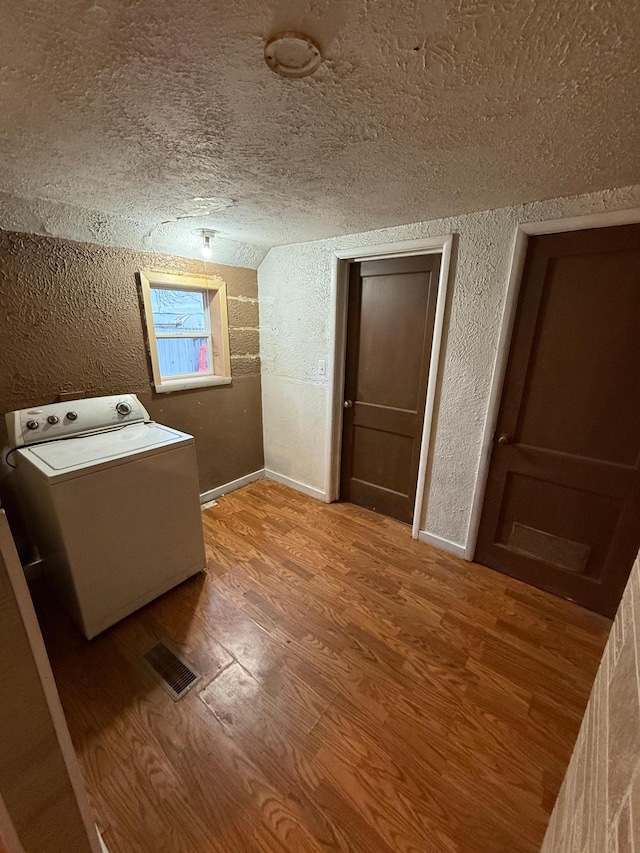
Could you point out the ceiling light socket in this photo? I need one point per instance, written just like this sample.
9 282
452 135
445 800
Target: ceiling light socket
292 55
206 238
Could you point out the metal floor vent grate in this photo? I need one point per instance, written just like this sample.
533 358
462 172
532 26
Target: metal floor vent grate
174 674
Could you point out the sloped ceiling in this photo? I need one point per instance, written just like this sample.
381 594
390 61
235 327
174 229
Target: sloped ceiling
136 123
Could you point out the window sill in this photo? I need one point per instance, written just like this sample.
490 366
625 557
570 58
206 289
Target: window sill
192 382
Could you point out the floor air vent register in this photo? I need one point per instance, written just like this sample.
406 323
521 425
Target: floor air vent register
170 670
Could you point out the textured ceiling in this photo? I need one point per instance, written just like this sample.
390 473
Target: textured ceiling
118 118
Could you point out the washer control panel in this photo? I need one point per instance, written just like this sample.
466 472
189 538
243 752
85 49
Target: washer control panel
57 420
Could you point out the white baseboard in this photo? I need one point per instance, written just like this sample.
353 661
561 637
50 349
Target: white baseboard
212 494
103 846
441 543
318 494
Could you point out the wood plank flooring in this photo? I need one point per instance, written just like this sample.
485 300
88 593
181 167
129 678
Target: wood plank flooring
362 693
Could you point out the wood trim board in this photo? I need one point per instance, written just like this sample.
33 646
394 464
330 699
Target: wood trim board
43 818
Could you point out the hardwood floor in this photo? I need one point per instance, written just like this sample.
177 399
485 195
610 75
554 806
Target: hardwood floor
362 693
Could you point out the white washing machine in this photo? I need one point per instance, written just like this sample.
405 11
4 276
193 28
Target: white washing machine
111 500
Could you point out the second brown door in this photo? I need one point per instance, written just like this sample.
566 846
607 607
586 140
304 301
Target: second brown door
389 335
562 506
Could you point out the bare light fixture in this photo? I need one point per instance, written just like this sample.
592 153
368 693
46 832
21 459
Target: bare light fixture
292 55
206 236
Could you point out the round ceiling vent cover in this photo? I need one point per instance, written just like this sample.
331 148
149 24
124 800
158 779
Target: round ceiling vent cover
292 55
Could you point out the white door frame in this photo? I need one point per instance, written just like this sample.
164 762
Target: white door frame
338 347
524 230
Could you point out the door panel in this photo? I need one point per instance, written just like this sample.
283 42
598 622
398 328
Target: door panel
392 314
383 458
585 300
389 335
562 506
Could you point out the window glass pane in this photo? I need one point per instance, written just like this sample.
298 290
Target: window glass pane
178 310
183 355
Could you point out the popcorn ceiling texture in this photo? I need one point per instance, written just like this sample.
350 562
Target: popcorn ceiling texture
598 807
295 286
71 321
55 219
118 116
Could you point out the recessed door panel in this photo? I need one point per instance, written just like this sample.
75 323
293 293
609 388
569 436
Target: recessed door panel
392 316
584 353
383 459
533 523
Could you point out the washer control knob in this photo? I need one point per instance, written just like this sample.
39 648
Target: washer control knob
123 408
53 419
72 416
32 424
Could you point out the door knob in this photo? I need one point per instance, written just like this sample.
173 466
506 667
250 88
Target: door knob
504 439
348 404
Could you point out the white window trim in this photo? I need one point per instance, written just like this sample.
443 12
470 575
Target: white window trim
218 329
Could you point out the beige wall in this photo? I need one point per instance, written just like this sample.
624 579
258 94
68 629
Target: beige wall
598 808
70 321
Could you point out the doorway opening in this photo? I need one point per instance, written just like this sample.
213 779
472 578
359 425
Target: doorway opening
389 307
562 494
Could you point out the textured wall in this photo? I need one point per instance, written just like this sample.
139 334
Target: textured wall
598 807
71 321
295 283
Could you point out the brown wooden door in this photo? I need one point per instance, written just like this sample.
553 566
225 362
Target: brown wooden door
562 506
390 329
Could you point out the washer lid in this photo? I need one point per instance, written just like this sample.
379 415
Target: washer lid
88 450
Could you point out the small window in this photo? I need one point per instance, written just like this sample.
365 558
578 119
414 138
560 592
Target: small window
187 330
